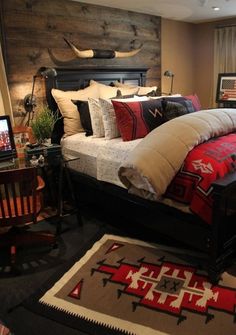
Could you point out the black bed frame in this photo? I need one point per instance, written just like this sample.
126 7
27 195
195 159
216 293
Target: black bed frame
216 242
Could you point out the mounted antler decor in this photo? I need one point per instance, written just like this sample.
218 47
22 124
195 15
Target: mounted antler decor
100 53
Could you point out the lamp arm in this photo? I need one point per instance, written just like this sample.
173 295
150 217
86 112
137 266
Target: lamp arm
29 99
29 102
32 92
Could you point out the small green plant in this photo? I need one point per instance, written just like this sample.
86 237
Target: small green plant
42 126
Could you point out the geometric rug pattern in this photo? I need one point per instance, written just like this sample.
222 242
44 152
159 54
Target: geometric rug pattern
127 286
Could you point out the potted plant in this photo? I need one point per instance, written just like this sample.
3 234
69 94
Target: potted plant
42 126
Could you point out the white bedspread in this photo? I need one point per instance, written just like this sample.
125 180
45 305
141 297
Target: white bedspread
98 157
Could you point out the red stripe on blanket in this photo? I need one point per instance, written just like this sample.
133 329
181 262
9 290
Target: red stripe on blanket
202 166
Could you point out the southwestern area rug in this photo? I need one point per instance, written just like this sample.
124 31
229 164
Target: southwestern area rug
126 286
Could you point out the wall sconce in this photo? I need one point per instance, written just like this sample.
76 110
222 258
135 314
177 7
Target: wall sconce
170 74
30 99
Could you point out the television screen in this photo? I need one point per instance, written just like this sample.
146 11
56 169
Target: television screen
7 144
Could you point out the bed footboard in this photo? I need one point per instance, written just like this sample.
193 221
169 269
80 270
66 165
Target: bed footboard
215 243
222 240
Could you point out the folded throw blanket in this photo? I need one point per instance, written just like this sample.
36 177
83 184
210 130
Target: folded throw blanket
154 162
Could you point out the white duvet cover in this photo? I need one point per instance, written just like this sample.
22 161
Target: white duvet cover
98 157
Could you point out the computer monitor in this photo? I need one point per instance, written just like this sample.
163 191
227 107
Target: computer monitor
7 143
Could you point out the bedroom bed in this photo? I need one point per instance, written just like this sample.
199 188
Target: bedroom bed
97 176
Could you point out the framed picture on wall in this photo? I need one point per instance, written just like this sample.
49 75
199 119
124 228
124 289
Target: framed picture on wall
226 88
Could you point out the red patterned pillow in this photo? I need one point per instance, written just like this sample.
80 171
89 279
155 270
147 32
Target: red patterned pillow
136 119
195 100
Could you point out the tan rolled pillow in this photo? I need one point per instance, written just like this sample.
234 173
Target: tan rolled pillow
71 117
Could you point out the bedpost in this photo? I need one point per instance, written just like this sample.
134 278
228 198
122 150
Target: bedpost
214 240
222 245
50 82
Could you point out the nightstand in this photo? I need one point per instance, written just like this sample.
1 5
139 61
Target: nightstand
55 172
48 161
50 153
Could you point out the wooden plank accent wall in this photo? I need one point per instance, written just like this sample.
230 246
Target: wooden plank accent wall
34 32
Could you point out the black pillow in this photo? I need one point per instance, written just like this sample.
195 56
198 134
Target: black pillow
173 110
176 106
83 109
187 103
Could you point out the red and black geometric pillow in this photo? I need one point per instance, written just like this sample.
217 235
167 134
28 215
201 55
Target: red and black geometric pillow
137 118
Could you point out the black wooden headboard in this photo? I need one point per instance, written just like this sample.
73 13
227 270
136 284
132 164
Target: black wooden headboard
69 79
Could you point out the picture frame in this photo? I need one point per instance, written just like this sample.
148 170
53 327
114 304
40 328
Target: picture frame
226 88
22 136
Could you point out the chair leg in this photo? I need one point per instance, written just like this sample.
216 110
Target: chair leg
14 269
13 255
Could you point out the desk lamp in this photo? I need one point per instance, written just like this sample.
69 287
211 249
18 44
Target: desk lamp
170 74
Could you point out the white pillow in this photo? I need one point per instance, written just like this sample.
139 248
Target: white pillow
95 111
118 84
167 96
128 91
109 119
71 117
105 91
108 92
141 90
146 89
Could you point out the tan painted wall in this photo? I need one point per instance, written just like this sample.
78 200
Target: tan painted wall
177 55
188 50
204 63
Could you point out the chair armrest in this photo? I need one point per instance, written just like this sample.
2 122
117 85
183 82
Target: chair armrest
41 183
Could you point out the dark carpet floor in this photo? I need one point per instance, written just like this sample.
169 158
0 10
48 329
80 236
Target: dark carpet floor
36 266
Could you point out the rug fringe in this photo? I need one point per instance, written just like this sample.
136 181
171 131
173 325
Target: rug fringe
87 319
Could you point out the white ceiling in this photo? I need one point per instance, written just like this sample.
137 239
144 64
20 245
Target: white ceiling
194 11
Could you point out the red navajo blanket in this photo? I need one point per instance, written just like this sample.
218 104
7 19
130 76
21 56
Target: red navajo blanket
202 166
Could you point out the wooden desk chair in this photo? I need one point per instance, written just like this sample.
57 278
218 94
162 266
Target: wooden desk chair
20 204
